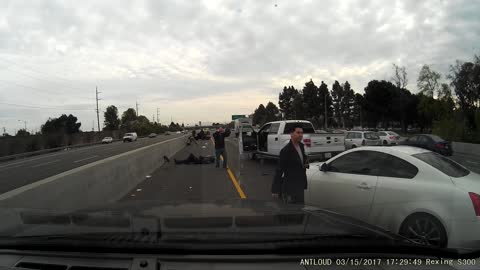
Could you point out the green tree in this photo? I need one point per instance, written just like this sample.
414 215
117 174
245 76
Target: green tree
337 97
325 101
347 104
400 78
358 110
22 132
286 101
63 124
299 106
129 115
465 80
428 81
259 116
311 99
111 120
378 100
271 112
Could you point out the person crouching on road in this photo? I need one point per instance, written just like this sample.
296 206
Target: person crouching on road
290 176
219 141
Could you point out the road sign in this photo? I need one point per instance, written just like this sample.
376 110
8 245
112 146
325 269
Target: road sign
238 116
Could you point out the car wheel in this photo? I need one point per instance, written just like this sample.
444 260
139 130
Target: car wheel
354 146
424 229
385 142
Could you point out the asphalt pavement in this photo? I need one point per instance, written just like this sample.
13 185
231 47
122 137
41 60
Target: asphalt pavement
17 173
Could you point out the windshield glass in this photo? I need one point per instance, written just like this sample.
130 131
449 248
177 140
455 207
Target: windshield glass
125 116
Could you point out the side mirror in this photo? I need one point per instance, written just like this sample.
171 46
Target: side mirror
324 167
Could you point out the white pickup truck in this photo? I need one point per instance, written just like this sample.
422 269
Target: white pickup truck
273 136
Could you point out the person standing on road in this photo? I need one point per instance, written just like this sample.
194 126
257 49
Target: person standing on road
219 141
290 177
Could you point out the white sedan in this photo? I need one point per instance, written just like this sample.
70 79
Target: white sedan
107 140
388 137
411 191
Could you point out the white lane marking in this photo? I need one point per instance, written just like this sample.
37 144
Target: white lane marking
52 178
45 163
83 159
11 167
472 162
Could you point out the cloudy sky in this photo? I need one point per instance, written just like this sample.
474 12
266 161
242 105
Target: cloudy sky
206 60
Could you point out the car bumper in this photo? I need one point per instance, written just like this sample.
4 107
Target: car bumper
464 234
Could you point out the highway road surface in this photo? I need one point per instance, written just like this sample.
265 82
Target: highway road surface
17 173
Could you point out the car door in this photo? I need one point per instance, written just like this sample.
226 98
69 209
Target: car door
349 140
398 191
274 145
263 137
347 187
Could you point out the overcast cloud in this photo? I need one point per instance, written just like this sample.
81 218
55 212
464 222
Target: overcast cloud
206 60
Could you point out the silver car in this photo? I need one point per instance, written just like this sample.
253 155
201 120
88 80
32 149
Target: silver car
354 139
388 137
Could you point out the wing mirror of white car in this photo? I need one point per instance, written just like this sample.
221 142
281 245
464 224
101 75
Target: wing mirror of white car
325 167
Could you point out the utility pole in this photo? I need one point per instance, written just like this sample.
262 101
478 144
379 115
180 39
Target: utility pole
158 113
153 117
326 116
98 112
136 104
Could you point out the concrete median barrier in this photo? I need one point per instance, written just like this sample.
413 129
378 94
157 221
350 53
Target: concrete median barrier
94 184
466 148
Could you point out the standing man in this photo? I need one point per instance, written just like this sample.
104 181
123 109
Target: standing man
219 141
290 177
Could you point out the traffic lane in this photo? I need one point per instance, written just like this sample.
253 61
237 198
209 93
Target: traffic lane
29 171
471 162
254 176
186 183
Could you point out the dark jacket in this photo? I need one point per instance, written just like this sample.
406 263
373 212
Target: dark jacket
290 170
219 138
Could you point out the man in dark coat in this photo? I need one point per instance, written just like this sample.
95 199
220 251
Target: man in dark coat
290 177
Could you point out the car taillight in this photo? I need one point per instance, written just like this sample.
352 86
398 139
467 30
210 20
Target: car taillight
476 202
392 137
307 142
439 145
363 142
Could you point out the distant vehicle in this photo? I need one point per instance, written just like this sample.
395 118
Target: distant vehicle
107 140
431 142
388 137
152 135
178 132
354 139
424 196
241 122
273 136
130 137
167 133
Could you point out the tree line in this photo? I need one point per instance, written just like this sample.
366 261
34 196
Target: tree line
389 104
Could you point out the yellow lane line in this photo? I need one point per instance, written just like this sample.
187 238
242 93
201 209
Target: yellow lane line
235 182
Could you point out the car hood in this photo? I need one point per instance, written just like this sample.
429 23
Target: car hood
237 216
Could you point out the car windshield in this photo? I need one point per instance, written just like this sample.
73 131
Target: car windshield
443 164
127 117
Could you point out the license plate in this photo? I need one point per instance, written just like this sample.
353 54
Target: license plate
328 155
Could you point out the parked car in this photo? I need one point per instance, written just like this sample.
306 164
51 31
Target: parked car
178 132
388 137
167 133
354 139
107 140
152 135
431 142
130 137
415 192
273 136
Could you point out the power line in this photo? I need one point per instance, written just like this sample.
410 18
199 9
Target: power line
43 90
35 71
42 79
34 106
